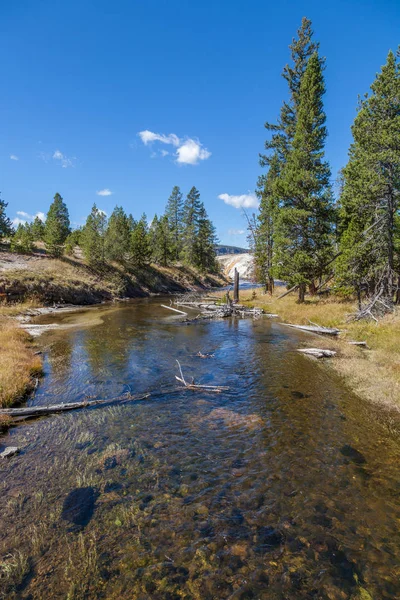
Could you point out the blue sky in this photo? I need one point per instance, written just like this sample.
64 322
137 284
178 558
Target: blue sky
82 79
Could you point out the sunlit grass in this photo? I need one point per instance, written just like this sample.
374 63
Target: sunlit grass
18 363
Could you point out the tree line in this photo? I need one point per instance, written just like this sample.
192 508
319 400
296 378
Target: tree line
184 233
302 233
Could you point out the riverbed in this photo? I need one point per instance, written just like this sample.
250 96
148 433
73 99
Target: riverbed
285 486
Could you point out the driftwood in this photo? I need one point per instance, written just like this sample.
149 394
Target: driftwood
10 451
218 311
174 309
193 386
315 329
361 344
317 352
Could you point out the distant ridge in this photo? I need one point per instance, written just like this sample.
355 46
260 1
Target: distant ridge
223 249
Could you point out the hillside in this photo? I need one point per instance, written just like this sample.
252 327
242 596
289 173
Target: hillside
71 281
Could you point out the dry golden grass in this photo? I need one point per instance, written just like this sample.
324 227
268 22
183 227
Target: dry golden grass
18 363
373 374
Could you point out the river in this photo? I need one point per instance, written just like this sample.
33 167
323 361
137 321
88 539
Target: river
286 486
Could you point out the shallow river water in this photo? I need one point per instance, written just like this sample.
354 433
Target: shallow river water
286 486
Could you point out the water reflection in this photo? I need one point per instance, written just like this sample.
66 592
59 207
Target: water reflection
284 487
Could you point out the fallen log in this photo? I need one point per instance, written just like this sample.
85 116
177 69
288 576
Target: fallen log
362 344
37 411
174 309
315 329
317 352
292 289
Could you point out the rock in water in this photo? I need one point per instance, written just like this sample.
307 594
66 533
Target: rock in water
79 506
352 454
10 451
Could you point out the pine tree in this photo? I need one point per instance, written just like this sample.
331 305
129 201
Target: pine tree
278 148
38 229
57 226
140 243
163 244
304 221
92 238
6 228
174 214
73 240
118 236
190 220
370 200
204 248
22 240
262 238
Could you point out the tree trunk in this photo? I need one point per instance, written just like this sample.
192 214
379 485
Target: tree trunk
397 298
302 292
236 286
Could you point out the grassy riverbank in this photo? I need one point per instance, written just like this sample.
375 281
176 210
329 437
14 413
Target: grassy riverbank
19 365
374 373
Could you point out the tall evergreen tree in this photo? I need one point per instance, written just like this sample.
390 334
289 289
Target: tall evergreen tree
38 229
6 228
92 238
174 214
57 226
140 243
370 200
204 247
278 148
190 221
304 221
118 236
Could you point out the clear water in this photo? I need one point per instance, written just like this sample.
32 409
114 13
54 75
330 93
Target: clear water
287 486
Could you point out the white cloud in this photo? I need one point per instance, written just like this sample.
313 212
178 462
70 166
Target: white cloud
236 231
23 214
14 157
18 221
188 150
243 201
64 160
191 152
105 192
148 137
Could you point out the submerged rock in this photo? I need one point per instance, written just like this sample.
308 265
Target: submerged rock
268 538
79 506
352 454
298 395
